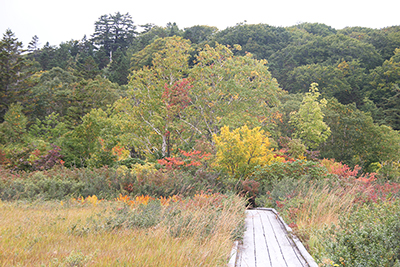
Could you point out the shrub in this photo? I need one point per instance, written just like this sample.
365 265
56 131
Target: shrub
270 175
60 182
369 237
35 156
240 150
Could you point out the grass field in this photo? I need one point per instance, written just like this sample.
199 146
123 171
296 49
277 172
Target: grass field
195 232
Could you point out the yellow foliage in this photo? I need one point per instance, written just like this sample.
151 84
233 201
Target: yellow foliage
88 200
240 150
138 200
141 171
122 170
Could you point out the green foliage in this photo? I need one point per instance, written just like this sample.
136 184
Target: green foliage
51 129
119 68
230 90
369 237
91 142
318 29
261 40
345 80
86 68
324 51
384 89
355 139
13 128
277 172
199 33
309 120
52 92
14 71
385 40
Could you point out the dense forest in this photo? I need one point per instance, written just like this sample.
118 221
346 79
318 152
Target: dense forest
168 121
151 91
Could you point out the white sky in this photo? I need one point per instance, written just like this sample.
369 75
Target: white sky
61 21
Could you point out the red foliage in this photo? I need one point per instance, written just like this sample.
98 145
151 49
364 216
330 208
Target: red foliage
341 170
194 158
283 153
177 96
370 191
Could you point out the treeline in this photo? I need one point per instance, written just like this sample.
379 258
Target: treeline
142 92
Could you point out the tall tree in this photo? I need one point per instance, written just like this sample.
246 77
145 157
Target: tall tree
12 74
355 139
174 104
198 34
230 90
309 120
118 70
113 32
169 65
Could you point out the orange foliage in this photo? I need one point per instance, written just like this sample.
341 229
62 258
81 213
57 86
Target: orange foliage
187 159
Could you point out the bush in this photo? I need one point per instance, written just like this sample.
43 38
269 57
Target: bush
60 182
272 174
369 237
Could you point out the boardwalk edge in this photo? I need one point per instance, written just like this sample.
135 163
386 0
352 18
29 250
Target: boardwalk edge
296 242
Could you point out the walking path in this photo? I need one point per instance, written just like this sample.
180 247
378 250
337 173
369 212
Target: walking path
268 242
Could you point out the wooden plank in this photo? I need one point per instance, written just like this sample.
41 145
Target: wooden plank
277 257
234 255
247 250
266 243
297 246
260 240
290 255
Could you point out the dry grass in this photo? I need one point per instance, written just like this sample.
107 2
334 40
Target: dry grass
323 207
41 234
316 209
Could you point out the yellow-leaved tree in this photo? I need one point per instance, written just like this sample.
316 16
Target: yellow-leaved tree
240 150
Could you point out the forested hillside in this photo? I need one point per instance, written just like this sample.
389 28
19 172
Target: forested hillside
147 91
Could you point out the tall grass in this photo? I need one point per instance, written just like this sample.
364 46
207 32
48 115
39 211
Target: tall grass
348 222
188 233
316 208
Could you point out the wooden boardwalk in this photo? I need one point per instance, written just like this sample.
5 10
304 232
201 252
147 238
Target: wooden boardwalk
268 242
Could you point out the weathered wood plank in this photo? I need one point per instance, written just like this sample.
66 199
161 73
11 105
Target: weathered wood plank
262 253
266 243
297 246
247 249
289 253
277 257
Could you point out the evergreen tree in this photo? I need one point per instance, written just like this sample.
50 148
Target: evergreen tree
12 75
113 32
119 68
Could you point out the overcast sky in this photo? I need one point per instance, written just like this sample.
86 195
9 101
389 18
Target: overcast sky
60 21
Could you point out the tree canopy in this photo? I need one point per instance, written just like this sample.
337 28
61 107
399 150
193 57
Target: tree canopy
153 90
